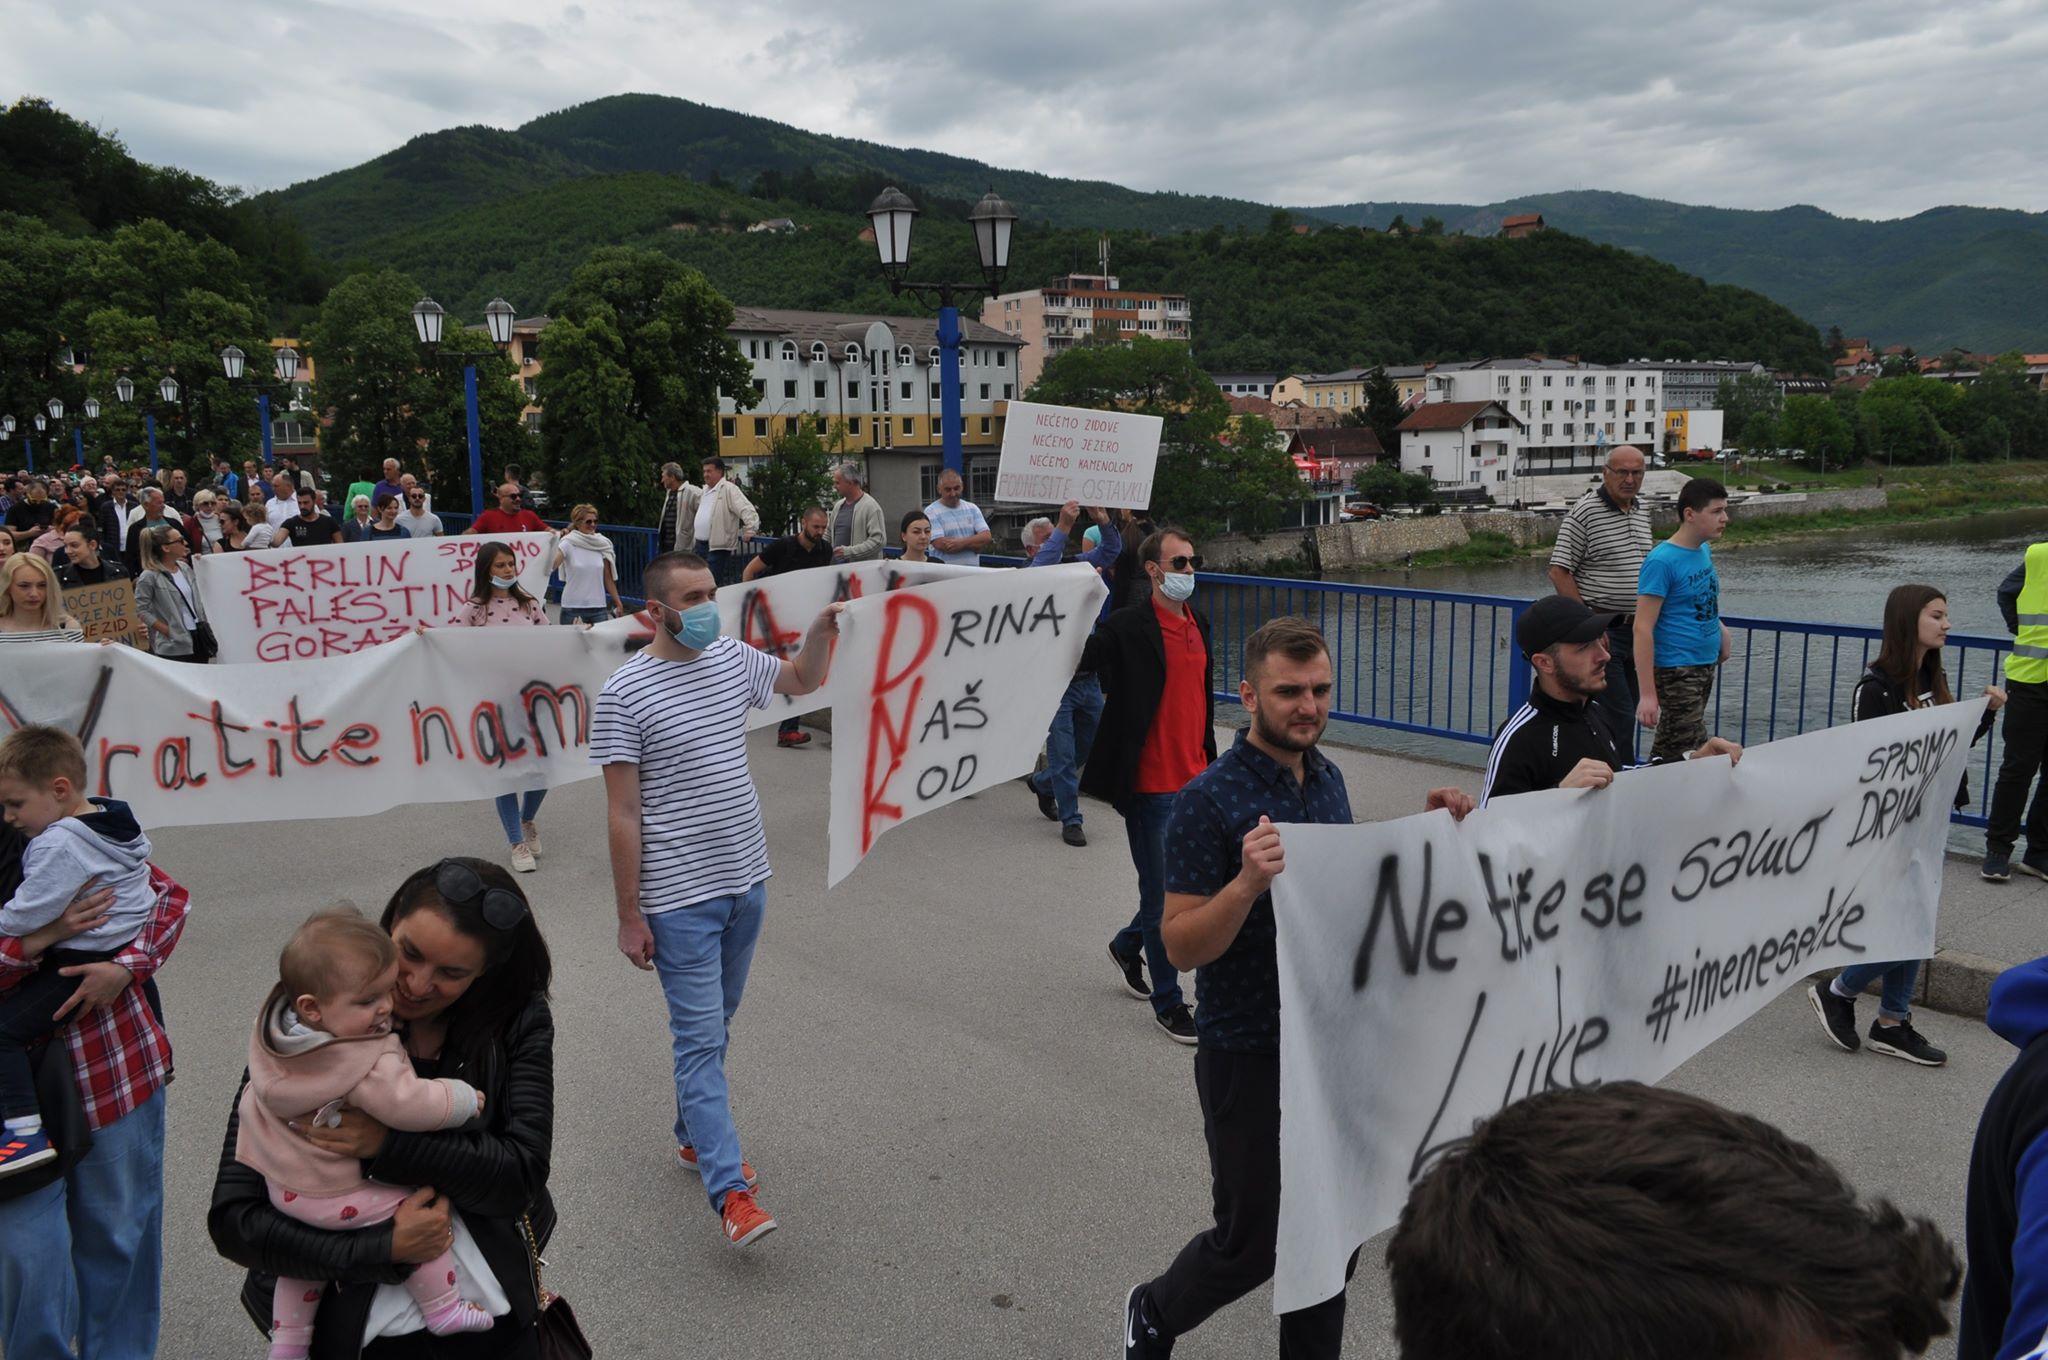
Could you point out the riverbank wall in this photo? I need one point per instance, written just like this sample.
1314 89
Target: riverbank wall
1372 543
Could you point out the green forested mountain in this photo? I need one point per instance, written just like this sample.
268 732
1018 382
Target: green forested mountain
1974 277
83 183
1266 298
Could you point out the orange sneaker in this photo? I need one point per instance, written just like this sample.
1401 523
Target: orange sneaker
744 1219
687 1156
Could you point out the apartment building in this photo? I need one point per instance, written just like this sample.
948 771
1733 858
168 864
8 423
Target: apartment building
1566 415
1050 320
1245 384
879 377
1690 384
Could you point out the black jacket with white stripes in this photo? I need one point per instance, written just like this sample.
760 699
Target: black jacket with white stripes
1541 743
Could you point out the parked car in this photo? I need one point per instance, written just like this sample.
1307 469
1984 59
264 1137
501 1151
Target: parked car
1357 510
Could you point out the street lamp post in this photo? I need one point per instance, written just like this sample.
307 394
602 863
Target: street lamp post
428 318
29 445
124 392
892 215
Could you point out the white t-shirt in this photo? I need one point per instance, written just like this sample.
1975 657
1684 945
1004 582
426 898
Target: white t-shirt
279 509
419 526
684 723
582 577
705 504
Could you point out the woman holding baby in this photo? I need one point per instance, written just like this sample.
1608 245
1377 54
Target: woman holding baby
460 997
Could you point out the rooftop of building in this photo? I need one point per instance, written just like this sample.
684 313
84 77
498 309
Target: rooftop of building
1450 415
844 328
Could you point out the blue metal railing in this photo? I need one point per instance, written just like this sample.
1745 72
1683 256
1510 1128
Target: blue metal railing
1443 664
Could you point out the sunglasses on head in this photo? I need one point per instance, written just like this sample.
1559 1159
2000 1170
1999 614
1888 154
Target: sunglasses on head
460 885
1184 563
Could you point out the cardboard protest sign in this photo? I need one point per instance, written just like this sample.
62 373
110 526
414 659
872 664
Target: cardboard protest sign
297 604
774 612
946 689
1055 454
1433 972
106 611
456 714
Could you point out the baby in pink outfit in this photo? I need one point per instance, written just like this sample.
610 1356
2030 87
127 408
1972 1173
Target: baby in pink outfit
324 1040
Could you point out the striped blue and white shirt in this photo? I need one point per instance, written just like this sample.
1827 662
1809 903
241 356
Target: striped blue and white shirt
961 521
684 723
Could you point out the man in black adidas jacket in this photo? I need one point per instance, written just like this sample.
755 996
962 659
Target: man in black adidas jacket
1560 739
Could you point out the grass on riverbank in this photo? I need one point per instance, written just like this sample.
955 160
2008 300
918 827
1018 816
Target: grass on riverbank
2005 472
1482 550
1914 496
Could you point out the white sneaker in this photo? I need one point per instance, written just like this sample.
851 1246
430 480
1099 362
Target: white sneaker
522 859
532 838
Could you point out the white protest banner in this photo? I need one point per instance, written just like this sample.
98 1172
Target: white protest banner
455 714
946 689
295 604
774 612
1433 972
1055 454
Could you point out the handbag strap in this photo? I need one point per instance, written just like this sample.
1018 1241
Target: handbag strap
540 1293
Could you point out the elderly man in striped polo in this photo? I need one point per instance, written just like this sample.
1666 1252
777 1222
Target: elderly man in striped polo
1599 554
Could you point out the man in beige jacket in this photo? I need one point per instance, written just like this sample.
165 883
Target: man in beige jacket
723 519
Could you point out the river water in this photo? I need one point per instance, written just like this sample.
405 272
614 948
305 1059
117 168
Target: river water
1832 578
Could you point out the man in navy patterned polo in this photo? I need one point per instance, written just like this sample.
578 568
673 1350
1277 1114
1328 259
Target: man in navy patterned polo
1223 852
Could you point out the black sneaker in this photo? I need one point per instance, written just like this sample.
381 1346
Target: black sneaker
1132 970
1073 835
1837 1015
1142 1340
1179 1024
2034 863
1903 1041
1997 868
1047 808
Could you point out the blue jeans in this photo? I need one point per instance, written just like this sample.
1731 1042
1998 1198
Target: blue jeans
595 614
1145 826
84 1256
1895 999
1067 744
720 562
511 813
702 953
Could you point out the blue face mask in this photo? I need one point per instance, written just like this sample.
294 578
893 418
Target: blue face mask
498 583
696 627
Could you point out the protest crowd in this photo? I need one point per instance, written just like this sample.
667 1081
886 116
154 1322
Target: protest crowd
383 1180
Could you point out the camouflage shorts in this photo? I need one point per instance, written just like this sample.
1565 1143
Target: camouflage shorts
1682 694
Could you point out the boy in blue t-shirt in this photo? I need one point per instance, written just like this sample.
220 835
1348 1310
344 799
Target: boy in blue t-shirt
1679 636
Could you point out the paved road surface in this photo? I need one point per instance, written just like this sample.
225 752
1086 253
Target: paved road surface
975 1143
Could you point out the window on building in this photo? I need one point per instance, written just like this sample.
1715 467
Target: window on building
728 426
819 354
905 356
1002 358
789 351
789 388
1501 383
906 391
1008 388
1546 431
853 353
760 427
981 478
818 389
928 482
984 392
935 392
533 422
909 425
853 425
818 424
1546 380
760 387
853 390
987 425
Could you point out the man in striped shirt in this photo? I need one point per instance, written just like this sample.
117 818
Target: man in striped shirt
959 531
689 853
1598 560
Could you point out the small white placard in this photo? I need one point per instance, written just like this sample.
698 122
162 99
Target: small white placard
1055 454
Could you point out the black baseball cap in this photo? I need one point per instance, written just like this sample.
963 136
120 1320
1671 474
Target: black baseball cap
1558 618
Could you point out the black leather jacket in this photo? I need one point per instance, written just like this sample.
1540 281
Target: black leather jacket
493 1175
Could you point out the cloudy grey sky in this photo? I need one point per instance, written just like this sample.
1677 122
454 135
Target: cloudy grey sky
1876 108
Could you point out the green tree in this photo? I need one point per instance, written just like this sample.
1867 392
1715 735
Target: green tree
1760 433
371 386
1817 426
591 447
1741 400
796 474
1837 345
1385 484
2004 393
1383 408
1432 226
1206 477
663 328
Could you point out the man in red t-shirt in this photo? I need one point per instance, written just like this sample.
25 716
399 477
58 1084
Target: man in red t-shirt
1158 731
507 517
